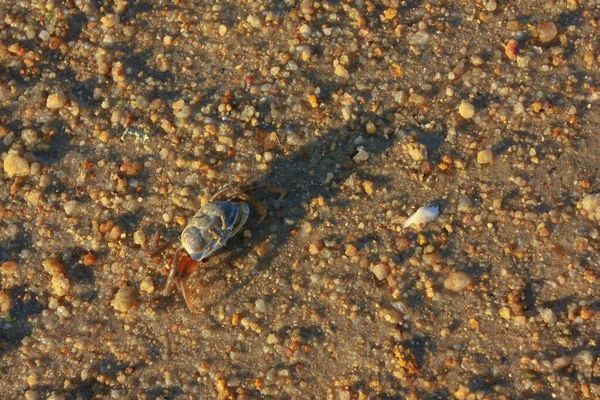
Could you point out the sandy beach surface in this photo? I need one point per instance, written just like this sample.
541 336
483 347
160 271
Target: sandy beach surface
120 119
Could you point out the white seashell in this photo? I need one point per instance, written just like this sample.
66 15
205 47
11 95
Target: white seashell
423 215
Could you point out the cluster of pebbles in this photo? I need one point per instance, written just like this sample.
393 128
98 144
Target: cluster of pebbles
119 119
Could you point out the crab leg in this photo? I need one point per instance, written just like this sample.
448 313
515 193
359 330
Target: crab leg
172 274
187 268
258 205
268 188
163 247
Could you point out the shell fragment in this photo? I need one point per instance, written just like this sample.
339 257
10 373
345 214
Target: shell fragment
423 215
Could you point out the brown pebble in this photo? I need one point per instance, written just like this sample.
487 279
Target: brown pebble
381 271
458 281
546 31
485 156
89 259
131 169
56 100
512 49
124 299
60 285
53 267
6 302
351 250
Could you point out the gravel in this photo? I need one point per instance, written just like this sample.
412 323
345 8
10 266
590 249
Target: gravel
119 120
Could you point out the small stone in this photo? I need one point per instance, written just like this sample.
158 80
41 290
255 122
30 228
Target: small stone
305 30
70 207
6 302
124 299
351 250
361 156
139 237
15 165
458 281
371 128
369 187
491 6
476 60
254 21
466 110
341 71
485 156
548 316
53 267
147 285
381 271
504 312
391 315
420 38
546 31
561 363
315 248
260 306
131 169
110 20
56 100
44 35
462 392
512 49
417 151
60 285
32 395
464 203
590 203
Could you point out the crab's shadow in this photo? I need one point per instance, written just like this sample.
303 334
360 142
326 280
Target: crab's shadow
301 174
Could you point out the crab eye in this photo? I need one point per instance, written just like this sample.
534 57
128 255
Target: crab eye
192 240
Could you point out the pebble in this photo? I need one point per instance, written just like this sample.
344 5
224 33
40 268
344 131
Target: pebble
15 165
124 299
147 285
466 110
6 302
458 281
70 207
548 316
591 202
464 203
139 237
260 306
60 285
547 31
32 395
341 71
419 39
371 128
561 363
56 100
512 49
351 250
110 20
369 187
485 156
390 315
361 156
254 21
381 271
417 151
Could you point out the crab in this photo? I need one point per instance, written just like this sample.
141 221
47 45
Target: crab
209 230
